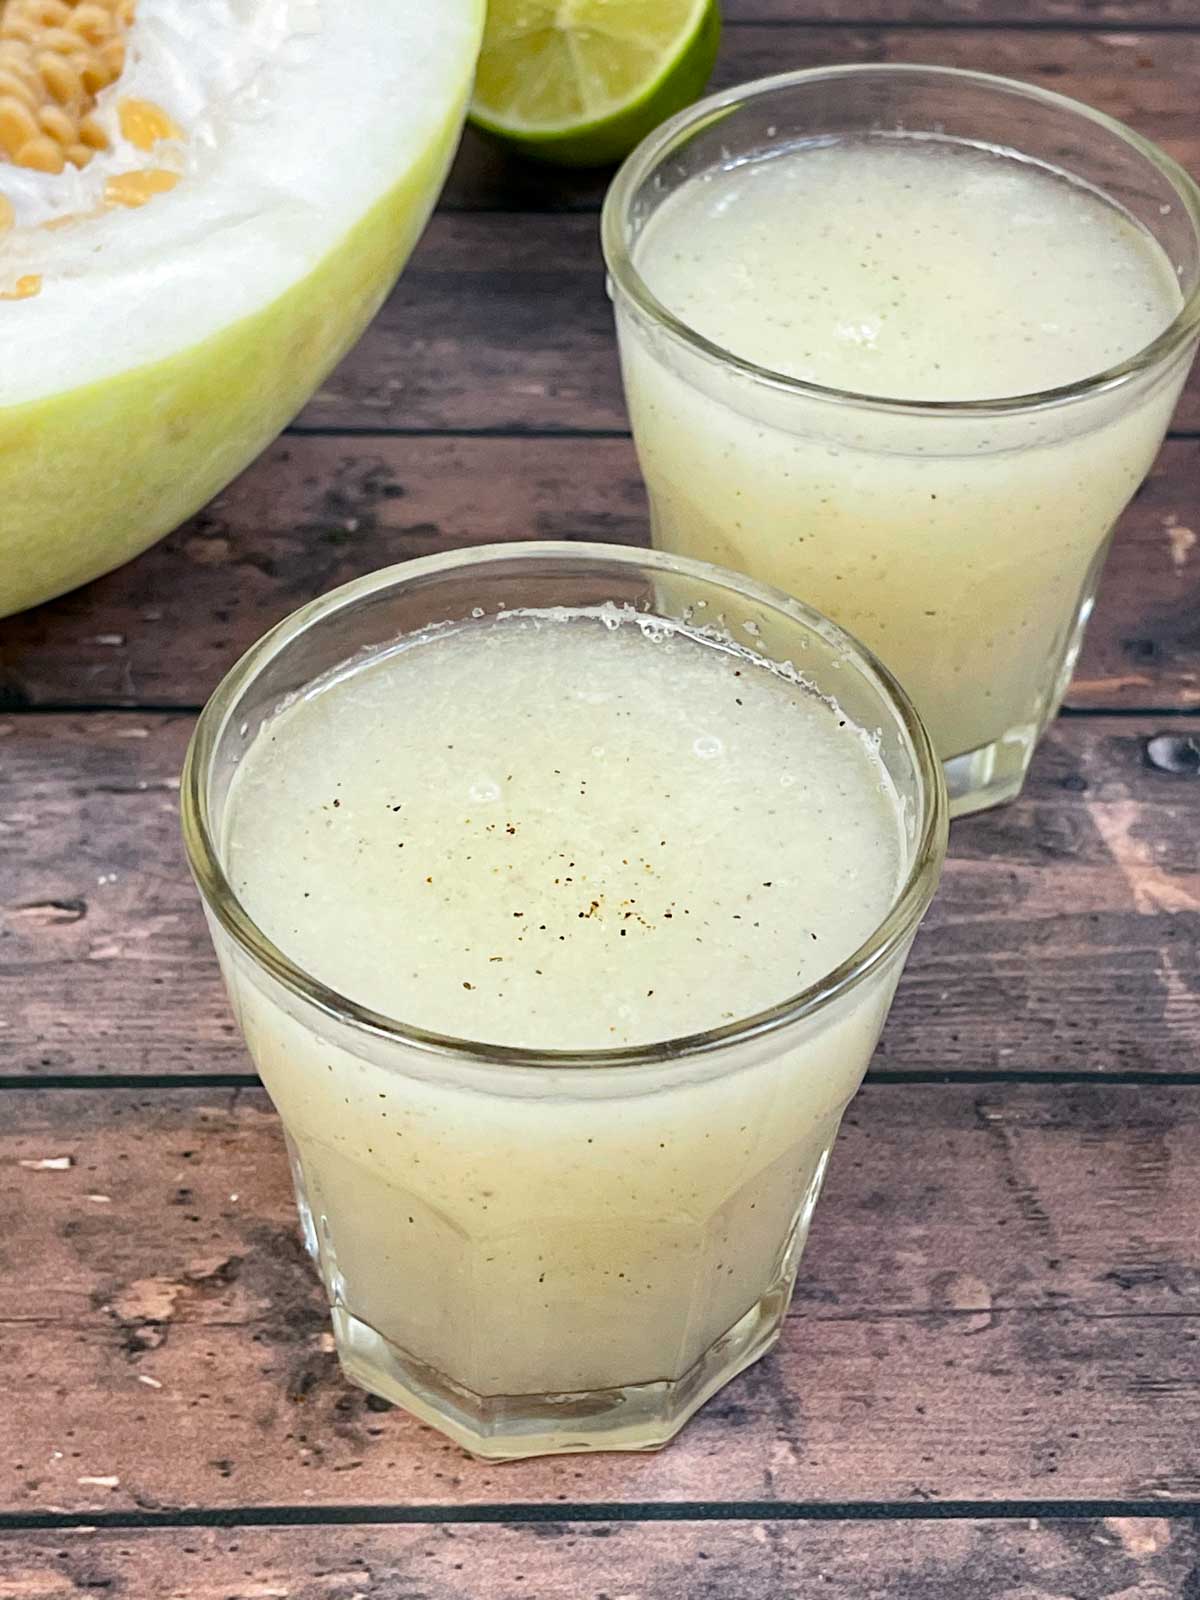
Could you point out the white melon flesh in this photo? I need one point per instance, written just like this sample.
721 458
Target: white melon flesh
149 352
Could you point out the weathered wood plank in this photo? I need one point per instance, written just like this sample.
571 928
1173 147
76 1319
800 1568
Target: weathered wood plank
1043 1560
1000 1301
1147 79
1066 935
943 1200
310 514
500 321
314 512
1143 643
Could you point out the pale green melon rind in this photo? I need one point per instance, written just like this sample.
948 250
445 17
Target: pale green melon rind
91 477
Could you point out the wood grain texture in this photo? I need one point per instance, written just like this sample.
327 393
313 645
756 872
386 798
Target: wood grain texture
1149 80
499 321
1065 937
1000 1300
315 512
1146 1557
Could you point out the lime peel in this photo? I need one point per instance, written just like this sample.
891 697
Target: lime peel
580 82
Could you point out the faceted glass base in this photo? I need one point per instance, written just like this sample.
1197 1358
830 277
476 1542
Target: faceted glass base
990 775
995 773
639 1416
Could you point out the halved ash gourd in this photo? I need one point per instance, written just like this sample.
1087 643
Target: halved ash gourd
202 203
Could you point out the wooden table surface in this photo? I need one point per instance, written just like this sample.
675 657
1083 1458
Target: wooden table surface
990 1382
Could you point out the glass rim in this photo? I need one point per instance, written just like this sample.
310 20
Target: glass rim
668 135
906 907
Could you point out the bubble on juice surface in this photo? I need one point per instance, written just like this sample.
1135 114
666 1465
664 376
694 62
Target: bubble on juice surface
484 792
655 629
708 746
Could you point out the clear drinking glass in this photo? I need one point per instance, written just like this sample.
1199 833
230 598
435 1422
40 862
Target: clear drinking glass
961 540
634 1252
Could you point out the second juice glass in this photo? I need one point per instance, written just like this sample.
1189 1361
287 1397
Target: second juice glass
961 539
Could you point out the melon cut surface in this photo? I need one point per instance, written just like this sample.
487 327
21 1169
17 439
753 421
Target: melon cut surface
202 204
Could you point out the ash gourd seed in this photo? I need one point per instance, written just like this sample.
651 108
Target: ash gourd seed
56 59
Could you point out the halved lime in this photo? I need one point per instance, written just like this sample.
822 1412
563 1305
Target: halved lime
579 82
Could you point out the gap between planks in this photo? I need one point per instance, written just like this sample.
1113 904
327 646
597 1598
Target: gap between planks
301 430
250 1080
290 1516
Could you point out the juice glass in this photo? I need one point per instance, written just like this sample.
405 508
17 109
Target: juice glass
541 1251
962 539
